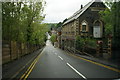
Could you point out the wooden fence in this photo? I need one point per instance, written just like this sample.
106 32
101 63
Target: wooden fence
13 50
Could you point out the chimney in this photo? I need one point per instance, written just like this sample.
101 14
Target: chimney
81 6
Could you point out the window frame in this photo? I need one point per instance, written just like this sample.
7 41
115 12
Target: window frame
84 23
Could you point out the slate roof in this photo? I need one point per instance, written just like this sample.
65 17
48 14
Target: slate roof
80 11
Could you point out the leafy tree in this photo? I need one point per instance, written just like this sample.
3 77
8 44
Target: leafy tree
111 17
107 19
65 20
115 22
53 38
59 25
21 22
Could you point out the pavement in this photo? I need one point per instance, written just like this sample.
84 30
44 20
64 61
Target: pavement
55 63
12 69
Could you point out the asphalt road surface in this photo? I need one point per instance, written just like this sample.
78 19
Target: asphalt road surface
55 63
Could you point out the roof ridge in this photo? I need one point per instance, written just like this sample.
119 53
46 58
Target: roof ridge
80 11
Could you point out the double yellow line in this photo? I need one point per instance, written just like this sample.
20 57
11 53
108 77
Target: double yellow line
30 68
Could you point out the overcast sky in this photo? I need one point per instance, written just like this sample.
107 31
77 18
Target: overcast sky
58 10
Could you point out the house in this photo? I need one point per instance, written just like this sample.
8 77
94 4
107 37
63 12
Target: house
59 36
85 22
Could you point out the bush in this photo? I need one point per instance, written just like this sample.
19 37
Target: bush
82 42
91 43
79 43
53 38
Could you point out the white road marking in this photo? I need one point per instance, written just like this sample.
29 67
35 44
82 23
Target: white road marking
60 57
76 71
55 53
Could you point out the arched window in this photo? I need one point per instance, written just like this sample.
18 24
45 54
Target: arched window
97 23
84 26
97 29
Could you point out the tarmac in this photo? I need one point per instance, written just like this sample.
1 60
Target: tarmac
9 72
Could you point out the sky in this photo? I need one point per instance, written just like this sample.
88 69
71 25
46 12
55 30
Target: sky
58 10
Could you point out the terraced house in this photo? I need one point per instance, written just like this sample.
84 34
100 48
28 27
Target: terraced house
84 23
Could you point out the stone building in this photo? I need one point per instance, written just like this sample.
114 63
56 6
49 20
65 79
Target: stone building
59 37
85 22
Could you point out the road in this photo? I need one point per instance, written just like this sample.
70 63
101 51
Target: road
56 63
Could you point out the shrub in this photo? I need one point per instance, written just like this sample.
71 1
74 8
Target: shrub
79 43
82 42
53 38
91 43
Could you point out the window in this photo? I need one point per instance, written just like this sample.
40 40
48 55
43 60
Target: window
84 26
97 23
97 29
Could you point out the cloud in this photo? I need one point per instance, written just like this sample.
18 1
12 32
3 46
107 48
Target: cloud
58 10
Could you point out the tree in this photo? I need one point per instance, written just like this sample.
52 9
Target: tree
111 18
22 22
115 22
59 25
107 20
53 38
